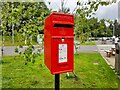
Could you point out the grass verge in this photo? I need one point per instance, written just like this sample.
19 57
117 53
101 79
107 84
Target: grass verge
91 69
88 43
8 41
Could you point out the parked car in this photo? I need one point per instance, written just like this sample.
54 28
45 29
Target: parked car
104 40
119 39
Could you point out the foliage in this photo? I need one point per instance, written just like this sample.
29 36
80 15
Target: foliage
8 41
64 9
29 56
114 25
88 43
17 75
102 29
85 24
16 50
117 28
26 18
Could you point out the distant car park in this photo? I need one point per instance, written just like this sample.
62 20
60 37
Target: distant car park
105 38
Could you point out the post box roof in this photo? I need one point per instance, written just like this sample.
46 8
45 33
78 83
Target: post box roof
59 13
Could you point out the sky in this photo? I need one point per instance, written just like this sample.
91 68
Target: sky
103 12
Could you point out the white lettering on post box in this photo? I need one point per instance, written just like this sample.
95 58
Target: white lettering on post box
62 53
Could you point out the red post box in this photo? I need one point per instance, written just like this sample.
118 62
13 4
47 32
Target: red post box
59 43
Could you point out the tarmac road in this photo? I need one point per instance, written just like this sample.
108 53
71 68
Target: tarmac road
10 50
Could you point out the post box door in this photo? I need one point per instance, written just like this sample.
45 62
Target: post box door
62 48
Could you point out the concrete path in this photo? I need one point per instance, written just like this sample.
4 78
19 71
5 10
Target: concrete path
110 60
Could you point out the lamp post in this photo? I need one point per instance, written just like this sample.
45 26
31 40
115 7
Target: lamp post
113 30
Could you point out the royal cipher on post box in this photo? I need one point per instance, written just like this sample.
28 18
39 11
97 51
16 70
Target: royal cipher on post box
59 43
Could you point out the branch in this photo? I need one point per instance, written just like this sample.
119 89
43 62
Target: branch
41 32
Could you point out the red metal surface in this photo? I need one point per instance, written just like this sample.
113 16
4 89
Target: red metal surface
58 26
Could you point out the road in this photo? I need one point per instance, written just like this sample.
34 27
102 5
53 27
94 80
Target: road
106 46
87 48
10 50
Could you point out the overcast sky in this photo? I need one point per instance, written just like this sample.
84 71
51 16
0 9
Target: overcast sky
106 12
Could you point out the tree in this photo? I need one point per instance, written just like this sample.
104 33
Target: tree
111 28
117 28
64 9
85 24
114 28
28 20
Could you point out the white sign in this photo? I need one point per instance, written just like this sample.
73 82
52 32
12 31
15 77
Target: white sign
62 53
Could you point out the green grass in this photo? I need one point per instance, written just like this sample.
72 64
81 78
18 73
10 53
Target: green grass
88 43
17 75
8 41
